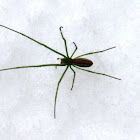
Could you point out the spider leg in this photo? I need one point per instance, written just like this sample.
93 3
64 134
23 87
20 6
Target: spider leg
57 91
64 40
34 40
73 77
97 73
95 52
74 50
21 67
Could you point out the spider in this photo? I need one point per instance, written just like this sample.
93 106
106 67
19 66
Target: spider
67 61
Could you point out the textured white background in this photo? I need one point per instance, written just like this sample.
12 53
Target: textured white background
98 107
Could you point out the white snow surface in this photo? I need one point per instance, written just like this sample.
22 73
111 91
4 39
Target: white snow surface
98 107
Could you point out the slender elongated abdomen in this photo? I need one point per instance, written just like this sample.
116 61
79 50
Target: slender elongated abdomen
82 62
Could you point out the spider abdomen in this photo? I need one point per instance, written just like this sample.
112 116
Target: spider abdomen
82 62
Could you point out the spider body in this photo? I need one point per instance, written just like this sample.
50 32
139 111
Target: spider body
80 62
67 61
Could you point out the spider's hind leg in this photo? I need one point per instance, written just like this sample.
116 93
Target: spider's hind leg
95 52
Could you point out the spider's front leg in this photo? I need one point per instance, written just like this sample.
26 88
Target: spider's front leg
57 91
64 40
73 77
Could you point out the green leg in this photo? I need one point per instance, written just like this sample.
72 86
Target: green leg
74 50
57 91
44 65
95 52
34 40
64 41
73 77
97 73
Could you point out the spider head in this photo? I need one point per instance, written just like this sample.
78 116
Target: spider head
66 61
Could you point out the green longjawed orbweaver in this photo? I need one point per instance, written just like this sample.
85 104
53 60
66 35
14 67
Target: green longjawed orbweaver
67 61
